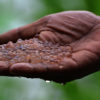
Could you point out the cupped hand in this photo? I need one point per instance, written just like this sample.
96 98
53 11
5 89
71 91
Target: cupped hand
79 29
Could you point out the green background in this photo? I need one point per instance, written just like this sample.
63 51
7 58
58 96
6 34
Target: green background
15 13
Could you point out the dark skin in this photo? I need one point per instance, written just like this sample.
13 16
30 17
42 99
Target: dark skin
79 29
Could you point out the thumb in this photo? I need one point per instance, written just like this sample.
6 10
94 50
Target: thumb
23 32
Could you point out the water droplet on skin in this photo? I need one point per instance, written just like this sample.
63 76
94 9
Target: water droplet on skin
47 81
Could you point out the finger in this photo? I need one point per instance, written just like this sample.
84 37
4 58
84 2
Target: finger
24 32
44 71
22 68
58 73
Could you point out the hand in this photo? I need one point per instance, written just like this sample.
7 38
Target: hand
79 29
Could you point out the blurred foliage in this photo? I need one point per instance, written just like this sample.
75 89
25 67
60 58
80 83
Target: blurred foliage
15 13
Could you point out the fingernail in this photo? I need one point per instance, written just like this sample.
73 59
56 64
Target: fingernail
21 68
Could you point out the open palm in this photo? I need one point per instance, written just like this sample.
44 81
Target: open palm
79 29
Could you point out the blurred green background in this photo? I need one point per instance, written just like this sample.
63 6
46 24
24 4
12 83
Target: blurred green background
15 13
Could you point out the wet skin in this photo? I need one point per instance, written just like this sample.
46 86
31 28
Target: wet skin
79 29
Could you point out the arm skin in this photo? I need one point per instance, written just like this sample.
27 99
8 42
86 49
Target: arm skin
79 29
